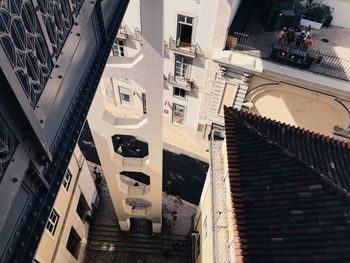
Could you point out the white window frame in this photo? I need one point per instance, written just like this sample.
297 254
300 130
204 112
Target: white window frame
67 180
185 22
184 114
52 222
183 66
119 48
179 89
121 90
205 227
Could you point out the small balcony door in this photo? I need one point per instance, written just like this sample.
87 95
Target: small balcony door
178 114
184 31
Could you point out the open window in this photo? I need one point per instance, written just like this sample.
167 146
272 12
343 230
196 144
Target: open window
73 243
82 208
118 48
184 31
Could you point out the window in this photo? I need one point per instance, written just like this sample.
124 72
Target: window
178 114
82 207
205 227
73 243
178 92
198 246
184 31
125 96
182 66
52 222
118 48
66 180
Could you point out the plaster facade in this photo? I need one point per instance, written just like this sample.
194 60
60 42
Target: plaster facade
128 102
52 247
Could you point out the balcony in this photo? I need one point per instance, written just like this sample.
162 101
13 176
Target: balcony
135 188
183 83
124 32
332 63
184 48
137 206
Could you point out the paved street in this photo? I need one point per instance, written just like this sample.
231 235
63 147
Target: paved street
187 174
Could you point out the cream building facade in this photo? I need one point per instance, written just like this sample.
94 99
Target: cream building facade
192 31
128 103
65 235
158 71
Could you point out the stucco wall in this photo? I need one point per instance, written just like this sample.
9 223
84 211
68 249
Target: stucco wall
53 248
205 209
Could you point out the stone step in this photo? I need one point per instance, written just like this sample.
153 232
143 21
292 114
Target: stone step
103 232
141 245
116 237
137 250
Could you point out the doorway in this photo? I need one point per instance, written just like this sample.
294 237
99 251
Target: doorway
178 114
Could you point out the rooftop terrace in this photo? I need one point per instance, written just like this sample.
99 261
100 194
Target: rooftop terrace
329 55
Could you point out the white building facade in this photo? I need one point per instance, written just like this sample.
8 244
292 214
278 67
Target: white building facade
193 31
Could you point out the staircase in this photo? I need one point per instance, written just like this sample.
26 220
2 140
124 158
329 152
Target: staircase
105 239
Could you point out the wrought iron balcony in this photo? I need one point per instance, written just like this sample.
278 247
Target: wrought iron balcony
184 48
184 83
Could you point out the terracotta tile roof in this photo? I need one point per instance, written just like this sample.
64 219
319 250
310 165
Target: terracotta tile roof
290 191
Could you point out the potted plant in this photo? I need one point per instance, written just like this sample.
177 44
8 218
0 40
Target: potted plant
317 15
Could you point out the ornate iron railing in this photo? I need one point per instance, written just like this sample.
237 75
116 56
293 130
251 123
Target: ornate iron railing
184 83
184 48
24 43
308 59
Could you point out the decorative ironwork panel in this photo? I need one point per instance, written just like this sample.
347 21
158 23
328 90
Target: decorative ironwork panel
24 44
7 146
76 5
58 20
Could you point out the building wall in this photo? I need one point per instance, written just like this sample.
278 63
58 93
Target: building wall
205 210
210 22
53 248
296 97
141 74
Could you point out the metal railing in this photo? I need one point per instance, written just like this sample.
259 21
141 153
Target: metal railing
184 83
311 60
186 48
125 32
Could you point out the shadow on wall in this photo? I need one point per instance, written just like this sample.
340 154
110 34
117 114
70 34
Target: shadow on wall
187 174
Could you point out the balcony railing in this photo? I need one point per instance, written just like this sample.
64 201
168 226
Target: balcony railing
124 32
185 83
308 59
184 48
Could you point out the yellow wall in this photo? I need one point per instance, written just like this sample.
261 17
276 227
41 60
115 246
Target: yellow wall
205 208
48 242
